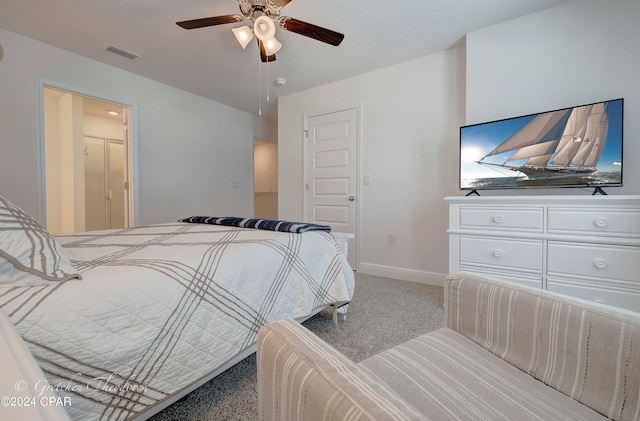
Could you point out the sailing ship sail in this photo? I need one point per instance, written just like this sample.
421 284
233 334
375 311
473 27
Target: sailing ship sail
560 142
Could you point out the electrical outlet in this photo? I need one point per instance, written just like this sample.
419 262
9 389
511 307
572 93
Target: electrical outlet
391 239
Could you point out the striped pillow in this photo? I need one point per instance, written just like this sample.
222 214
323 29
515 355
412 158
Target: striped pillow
257 223
29 255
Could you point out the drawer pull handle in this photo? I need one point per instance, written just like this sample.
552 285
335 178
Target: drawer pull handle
600 264
497 219
498 253
601 222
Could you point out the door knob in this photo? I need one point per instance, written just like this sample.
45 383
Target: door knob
352 198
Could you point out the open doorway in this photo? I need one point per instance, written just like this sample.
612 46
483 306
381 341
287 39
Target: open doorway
265 179
85 163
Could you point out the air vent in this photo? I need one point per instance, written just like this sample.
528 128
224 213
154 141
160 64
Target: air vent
122 53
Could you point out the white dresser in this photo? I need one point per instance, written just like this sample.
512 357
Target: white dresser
585 246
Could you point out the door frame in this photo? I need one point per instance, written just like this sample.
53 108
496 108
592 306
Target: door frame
305 170
131 142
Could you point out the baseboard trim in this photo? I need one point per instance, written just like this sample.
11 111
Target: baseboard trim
403 274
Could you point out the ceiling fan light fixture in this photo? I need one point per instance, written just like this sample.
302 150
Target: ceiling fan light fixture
272 46
244 35
264 28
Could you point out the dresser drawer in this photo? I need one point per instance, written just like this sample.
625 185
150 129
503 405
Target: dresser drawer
595 221
508 275
597 261
500 252
619 297
520 219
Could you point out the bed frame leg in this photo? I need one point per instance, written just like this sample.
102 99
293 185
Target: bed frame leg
336 306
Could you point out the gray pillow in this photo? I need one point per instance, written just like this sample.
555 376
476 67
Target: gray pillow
29 255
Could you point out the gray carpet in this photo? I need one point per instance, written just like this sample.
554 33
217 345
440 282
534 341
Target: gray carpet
384 312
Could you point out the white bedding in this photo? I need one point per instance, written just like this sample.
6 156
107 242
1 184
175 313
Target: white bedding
160 307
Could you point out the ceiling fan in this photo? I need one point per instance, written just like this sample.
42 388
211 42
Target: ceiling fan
264 14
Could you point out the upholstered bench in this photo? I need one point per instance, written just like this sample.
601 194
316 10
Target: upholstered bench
507 352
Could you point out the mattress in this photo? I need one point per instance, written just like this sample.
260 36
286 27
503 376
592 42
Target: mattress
161 307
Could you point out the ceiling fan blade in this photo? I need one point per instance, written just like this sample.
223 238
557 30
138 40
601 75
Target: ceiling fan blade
310 30
204 22
263 54
279 3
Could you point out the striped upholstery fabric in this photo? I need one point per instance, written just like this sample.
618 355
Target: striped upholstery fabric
507 353
587 351
300 377
447 376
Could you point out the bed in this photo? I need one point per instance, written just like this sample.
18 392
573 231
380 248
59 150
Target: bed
161 309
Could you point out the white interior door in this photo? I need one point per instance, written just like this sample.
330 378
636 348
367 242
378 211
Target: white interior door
104 184
332 162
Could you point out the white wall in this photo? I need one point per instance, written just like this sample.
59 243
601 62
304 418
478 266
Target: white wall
410 114
580 52
190 150
265 166
54 169
103 127
71 165
265 179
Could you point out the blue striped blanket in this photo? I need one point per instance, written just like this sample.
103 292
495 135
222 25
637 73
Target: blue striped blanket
264 224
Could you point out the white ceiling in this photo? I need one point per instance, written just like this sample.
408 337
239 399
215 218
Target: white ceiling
210 62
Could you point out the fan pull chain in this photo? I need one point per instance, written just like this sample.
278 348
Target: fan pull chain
267 81
259 89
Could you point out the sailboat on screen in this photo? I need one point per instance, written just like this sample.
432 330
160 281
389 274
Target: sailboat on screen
557 143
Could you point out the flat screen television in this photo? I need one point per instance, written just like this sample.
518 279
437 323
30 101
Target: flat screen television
578 146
